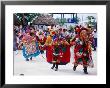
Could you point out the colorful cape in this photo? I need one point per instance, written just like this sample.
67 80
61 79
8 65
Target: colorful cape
30 48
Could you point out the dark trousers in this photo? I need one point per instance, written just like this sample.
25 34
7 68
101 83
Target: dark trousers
42 51
55 65
95 43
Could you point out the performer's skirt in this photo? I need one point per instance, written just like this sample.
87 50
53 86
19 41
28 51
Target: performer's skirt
64 58
29 55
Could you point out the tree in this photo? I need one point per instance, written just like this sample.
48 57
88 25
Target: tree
71 28
24 18
91 21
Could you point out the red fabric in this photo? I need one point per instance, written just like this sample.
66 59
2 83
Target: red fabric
37 38
65 57
42 47
76 49
42 42
49 53
78 30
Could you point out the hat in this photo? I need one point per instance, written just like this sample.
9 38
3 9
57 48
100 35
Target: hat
52 33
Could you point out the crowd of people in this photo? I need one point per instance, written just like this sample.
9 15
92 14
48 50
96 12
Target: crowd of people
57 44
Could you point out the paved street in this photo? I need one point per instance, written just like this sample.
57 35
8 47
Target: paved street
39 66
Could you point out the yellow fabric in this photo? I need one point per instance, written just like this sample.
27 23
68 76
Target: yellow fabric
49 40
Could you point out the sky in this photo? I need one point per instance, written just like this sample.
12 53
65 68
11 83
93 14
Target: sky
82 16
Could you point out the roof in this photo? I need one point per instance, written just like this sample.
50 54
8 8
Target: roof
45 20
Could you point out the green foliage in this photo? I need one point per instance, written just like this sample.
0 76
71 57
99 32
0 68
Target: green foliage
62 21
78 19
28 16
71 28
91 20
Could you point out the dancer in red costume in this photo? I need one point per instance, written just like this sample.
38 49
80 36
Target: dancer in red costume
64 51
56 54
42 40
57 50
49 51
82 50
